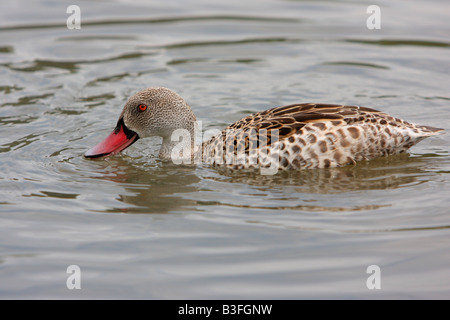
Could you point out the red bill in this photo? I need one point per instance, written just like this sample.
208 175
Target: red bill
120 139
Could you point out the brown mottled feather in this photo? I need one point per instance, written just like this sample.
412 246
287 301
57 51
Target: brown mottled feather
289 119
322 135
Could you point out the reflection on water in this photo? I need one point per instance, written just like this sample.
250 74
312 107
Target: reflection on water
152 190
159 188
383 173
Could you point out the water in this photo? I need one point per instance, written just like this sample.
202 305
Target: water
139 228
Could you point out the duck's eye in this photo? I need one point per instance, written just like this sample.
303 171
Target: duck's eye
142 107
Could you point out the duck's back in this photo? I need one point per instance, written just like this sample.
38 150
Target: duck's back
312 136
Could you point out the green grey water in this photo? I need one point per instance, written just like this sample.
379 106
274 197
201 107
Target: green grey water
140 228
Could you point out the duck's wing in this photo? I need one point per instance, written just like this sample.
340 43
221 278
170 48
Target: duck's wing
291 118
288 120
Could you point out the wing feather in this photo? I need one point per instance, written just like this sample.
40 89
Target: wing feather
289 119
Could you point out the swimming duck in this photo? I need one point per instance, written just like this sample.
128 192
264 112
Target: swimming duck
295 136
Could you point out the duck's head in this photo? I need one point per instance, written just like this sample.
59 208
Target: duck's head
150 112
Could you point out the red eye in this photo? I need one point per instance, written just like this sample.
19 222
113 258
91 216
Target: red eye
142 107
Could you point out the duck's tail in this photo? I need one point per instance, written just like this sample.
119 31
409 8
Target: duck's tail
430 131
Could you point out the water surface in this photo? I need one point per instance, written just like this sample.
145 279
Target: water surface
140 228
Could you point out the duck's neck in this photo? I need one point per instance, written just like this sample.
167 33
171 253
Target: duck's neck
178 147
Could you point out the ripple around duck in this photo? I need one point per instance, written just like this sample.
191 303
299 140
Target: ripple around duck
216 43
20 119
73 65
19 143
9 89
355 64
307 208
164 20
28 100
6 49
401 42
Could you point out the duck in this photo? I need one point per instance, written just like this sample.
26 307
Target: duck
290 137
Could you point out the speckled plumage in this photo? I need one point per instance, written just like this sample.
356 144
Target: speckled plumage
313 136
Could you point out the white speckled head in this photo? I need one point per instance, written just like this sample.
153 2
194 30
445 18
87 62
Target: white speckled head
151 112
157 112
